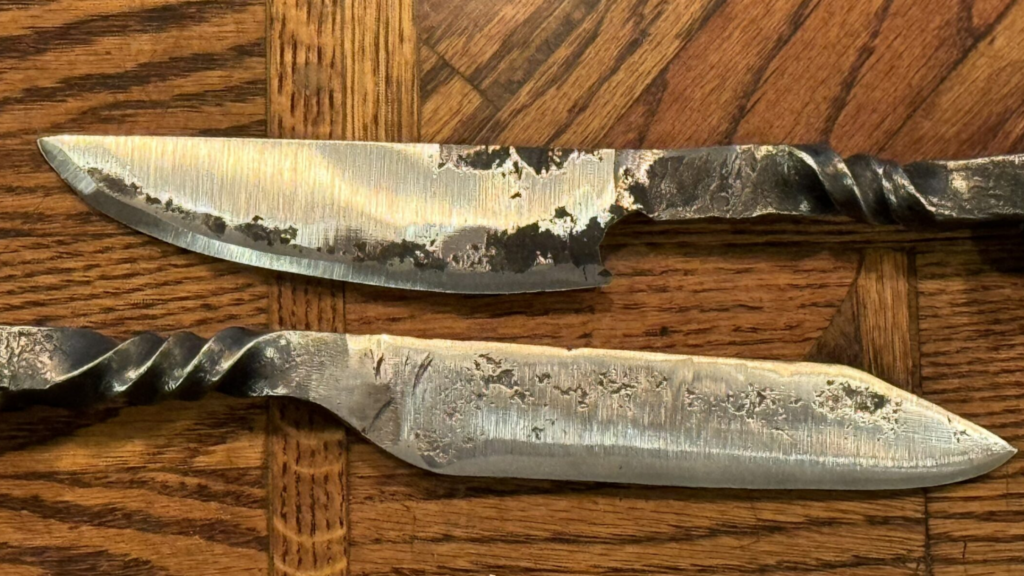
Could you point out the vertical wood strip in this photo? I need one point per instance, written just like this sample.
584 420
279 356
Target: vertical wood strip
885 315
337 70
381 100
875 327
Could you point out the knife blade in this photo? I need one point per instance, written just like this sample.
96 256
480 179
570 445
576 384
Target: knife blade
505 410
488 219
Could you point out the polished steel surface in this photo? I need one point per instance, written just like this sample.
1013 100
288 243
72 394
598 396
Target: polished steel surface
478 219
490 409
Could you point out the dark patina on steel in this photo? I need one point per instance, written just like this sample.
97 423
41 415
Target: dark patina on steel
749 181
490 219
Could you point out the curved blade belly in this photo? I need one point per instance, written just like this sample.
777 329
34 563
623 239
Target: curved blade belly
465 219
484 409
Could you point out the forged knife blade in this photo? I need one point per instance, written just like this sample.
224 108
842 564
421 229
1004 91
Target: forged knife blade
504 410
488 219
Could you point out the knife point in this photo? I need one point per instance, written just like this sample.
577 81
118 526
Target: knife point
49 146
57 150
980 450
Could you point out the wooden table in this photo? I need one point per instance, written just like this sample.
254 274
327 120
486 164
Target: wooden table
226 486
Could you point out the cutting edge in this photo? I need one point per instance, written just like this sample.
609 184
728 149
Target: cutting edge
494 259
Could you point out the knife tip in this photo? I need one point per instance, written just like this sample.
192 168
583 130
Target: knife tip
54 149
1003 450
987 452
49 146
57 150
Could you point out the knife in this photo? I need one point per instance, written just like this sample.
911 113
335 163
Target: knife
506 410
488 219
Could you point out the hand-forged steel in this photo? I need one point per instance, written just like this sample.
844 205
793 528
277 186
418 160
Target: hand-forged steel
486 219
487 409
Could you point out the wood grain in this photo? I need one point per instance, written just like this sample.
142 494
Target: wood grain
174 489
972 334
341 70
875 327
306 452
183 488
886 294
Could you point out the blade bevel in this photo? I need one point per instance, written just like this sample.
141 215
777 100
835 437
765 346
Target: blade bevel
492 409
506 410
464 219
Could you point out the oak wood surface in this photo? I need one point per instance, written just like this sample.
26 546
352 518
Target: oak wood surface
306 455
174 489
228 486
338 70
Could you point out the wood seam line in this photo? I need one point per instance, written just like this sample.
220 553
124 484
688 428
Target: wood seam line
875 329
884 316
342 70
918 388
886 295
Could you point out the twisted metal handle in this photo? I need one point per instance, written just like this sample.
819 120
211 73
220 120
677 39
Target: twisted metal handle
748 181
78 368
878 191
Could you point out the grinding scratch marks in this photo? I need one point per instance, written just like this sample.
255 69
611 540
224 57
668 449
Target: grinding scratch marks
579 393
261 233
467 389
491 371
616 386
508 161
499 376
254 231
538 432
376 359
438 449
620 385
959 434
859 403
694 401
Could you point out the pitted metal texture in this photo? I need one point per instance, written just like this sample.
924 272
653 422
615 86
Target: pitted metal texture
505 410
489 219
737 182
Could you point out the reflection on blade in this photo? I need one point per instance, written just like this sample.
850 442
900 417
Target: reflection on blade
490 409
420 216
490 219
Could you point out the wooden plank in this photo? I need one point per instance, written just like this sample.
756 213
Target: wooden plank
804 89
170 489
887 314
957 118
341 70
498 51
457 111
875 327
972 334
904 68
744 39
601 67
